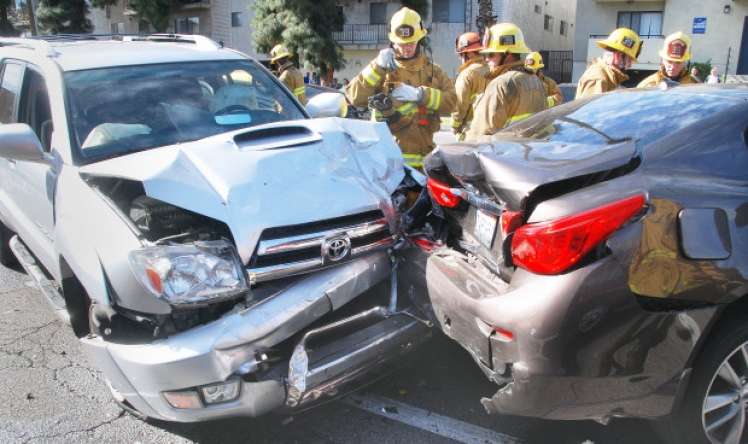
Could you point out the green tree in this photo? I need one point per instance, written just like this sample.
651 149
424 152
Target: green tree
304 26
63 16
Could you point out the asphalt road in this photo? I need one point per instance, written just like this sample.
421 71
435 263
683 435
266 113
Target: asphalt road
50 393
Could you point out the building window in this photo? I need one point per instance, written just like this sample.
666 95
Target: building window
378 13
646 24
537 9
117 28
548 23
449 11
187 25
236 19
562 27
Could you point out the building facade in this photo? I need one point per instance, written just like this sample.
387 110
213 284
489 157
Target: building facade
228 21
719 30
548 25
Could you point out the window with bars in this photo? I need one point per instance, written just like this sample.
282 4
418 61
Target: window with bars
563 28
548 23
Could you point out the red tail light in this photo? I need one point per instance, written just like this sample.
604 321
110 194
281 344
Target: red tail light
553 247
442 194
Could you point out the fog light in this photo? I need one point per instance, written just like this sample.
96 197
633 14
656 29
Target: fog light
224 392
185 399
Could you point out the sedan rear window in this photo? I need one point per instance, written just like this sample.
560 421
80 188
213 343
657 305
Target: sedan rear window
124 109
611 118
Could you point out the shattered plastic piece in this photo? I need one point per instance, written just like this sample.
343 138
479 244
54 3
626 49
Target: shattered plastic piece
297 370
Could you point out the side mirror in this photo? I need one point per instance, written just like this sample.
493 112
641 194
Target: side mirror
327 104
19 142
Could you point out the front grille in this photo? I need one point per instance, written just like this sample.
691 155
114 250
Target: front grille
296 249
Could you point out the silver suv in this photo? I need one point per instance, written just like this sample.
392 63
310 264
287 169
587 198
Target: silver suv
217 252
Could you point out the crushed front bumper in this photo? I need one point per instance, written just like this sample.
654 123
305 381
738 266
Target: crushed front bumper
572 346
232 347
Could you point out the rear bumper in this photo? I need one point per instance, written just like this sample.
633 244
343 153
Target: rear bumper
231 348
582 347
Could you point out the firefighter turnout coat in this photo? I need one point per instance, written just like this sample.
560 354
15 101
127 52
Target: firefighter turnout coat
470 83
599 78
513 95
294 81
416 137
653 80
552 91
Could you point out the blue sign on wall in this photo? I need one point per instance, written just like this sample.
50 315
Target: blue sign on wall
699 25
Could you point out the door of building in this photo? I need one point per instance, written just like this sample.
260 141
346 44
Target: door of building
743 56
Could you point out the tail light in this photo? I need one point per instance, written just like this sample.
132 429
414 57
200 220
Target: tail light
553 247
442 194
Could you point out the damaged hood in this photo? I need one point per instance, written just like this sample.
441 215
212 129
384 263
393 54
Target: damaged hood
514 169
272 175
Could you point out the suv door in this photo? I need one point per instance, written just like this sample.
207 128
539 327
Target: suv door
11 82
35 182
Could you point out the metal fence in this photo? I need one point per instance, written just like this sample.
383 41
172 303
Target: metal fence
362 34
558 65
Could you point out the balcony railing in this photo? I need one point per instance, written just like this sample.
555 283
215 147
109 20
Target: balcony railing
361 34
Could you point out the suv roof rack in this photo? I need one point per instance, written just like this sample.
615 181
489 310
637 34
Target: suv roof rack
34 44
200 41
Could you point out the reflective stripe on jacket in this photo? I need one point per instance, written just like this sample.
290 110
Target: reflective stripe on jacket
552 91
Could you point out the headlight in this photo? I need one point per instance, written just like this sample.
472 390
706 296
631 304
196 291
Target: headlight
188 274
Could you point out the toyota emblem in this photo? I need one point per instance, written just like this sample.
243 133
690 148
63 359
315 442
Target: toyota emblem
336 249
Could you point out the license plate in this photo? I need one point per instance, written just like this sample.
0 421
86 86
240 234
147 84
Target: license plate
485 227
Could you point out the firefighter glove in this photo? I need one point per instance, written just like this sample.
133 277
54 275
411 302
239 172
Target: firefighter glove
407 93
386 59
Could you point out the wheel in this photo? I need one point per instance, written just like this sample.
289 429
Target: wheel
714 409
7 258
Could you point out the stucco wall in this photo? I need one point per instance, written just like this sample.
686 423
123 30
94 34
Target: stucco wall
522 13
722 31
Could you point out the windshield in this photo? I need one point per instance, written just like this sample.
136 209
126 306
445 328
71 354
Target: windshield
613 118
132 108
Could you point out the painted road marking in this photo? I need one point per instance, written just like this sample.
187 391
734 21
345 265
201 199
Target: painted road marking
425 420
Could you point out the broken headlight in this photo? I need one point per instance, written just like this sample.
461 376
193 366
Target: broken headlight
187 274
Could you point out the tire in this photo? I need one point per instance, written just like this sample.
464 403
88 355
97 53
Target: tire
725 350
7 258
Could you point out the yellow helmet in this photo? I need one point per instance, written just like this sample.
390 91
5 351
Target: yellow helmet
623 40
406 27
278 52
534 61
504 37
677 48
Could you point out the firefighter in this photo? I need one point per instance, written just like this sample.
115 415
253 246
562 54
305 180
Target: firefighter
404 88
471 81
674 54
534 64
513 94
621 49
280 58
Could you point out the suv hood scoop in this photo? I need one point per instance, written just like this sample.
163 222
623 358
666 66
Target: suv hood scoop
274 175
514 170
